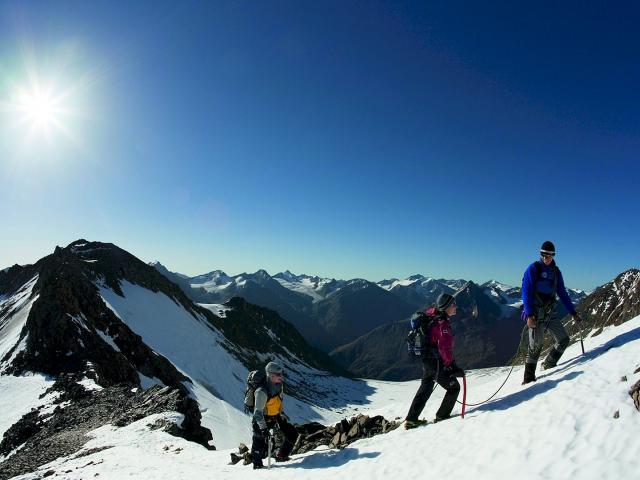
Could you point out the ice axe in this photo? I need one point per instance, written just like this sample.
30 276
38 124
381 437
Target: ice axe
269 442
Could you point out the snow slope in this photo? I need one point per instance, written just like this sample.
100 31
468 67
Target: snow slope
18 395
16 311
562 426
196 349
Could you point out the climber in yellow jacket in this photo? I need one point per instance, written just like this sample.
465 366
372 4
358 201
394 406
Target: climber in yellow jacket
268 414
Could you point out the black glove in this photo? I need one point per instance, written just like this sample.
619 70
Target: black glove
576 317
454 370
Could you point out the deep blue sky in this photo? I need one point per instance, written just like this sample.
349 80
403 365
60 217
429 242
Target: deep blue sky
347 139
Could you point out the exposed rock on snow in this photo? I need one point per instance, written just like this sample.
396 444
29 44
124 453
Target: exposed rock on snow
45 437
635 394
313 435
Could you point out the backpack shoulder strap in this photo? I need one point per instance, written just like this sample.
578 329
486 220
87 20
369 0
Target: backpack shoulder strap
538 269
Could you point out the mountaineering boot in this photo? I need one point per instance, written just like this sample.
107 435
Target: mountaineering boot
529 373
552 359
256 457
282 458
284 452
440 418
409 424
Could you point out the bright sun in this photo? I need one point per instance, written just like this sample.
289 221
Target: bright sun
40 109
43 111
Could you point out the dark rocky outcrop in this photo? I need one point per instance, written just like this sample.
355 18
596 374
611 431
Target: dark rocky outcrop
611 304
45 437
634 391
248 325
343 433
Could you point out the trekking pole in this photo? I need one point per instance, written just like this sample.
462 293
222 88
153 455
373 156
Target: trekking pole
464 395
269 448
581 342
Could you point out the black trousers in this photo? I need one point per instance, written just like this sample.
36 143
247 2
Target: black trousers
445 380
259 442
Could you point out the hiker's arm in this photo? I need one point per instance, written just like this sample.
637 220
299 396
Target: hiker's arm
258 410
445 344
528 290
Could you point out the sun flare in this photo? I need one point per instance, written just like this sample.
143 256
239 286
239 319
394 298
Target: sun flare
40 109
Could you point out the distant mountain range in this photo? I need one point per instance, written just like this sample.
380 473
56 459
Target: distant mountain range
327 312
341 316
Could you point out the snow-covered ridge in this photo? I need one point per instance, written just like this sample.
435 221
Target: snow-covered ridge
616 299
413 280
317 288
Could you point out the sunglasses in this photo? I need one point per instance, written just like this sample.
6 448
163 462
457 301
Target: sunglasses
547 255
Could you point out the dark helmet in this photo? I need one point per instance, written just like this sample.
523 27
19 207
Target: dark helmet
444 301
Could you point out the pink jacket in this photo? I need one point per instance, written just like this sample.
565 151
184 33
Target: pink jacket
441 335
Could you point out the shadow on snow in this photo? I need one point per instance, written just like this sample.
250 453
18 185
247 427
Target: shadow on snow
516 398
331 458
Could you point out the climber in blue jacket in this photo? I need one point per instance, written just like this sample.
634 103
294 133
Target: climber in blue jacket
541 285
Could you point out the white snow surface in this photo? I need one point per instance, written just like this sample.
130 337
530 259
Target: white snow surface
18 395
561 426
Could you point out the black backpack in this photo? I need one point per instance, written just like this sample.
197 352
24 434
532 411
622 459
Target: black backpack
547 301
416 340
255 380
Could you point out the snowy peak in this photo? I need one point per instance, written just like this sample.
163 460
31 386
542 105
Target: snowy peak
262 276
288 276
416 277
502 294
496 285
417 290
314 287
217 278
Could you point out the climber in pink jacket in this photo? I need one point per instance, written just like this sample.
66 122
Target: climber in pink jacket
438 364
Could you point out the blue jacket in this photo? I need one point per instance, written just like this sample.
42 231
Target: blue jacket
531 284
